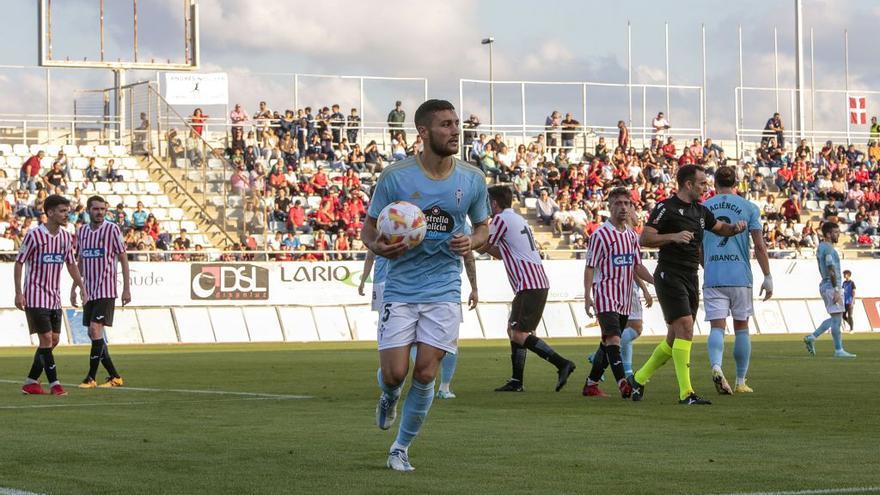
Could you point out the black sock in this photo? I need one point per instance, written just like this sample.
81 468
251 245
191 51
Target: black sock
546 352
108 363
615 361
49 364
37 366
518 360
95 357
600 362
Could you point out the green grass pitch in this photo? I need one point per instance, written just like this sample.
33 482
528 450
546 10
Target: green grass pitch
812 424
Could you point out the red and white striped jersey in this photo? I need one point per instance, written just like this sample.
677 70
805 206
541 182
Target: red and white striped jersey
43 256
614 255
513 237
97 251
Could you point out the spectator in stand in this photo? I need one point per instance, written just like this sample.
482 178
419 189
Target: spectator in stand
281 205
110 173
139 217
521 185
875 130
477 148
804 151
263 116
774 129
791 209
183 240
257 180
353 123
669 150
552 124
853 155
546 207
175 146
62 160
489 160
601 150
337 123
757 187
237 116
197 122
30 172
396 118
319 182
783 177
240 181
623 138
570 129
398 147
855 197
660 126
55 178
469 127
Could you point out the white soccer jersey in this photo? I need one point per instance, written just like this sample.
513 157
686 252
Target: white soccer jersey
614 255
513 237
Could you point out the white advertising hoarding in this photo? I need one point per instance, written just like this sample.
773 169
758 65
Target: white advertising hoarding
186 88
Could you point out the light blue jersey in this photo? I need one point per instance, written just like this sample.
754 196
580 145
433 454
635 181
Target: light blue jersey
726 259
431 272
827 255
380 269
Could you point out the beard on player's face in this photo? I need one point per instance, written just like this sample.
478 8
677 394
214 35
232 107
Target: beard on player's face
442 144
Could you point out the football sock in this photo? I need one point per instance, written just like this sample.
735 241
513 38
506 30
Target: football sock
415 410
836 321
36 366
681 357
612 354
715 343
626 349
822 328
447 370
108 363
517 360
95 357
658 358
49 364
543 350
600 362
742 352
389 391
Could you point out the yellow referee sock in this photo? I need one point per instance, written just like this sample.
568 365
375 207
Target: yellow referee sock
681 356
658 358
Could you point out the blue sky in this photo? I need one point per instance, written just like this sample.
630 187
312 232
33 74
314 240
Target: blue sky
555 40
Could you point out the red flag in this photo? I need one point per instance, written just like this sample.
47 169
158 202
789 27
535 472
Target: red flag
858 112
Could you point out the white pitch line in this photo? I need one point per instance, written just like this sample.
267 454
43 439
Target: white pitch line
134 403
13 491
188 391
819 491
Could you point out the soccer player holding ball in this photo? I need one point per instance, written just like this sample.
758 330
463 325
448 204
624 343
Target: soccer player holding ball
422 301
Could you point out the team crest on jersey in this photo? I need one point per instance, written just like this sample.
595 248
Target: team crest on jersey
458 195
415 195
681 211
702 223
52 258
623 259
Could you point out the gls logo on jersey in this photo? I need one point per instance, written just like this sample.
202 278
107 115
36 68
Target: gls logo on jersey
623 260
52 258
92 253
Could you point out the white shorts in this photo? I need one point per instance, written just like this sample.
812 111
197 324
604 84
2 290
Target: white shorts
378 293
635 310
435 324
721 302
827 293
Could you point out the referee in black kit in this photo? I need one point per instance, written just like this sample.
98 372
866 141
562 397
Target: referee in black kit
676 227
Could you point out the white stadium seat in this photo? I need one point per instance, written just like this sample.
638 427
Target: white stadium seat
70 150
21 150
5 148
86 150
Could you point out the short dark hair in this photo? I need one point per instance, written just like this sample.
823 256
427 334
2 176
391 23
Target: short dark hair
686 173
54 201
503 195
427 109
618 191
847 272
827 227
93 199
725 176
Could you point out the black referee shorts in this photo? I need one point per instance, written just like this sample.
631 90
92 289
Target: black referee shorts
611 323
527 308
99 311
678 293
43 320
